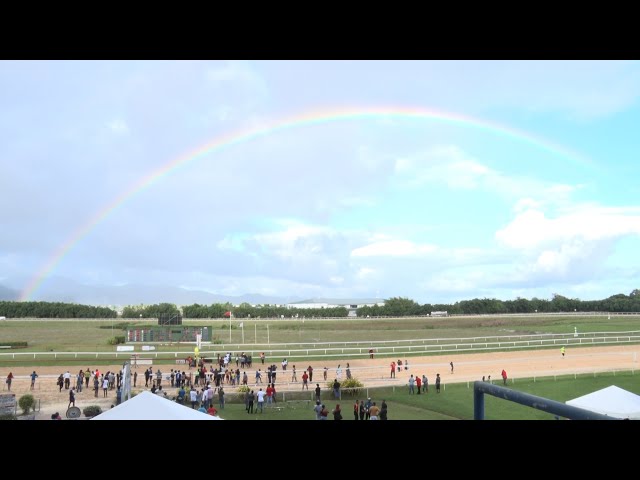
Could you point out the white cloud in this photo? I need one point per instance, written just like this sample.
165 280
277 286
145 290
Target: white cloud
365 273
450 166
393 248
118 126
532 229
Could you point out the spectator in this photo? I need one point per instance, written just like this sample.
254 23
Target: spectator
337 412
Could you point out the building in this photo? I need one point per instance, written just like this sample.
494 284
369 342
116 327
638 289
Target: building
351 304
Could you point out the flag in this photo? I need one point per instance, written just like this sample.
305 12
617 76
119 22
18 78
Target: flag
241 324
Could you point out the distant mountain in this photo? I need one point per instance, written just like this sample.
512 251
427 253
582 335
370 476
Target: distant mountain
65 290
8 294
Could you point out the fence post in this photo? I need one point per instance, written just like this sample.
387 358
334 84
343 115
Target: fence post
478 405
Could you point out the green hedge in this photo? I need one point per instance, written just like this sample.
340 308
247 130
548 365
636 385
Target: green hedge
14 344
92 411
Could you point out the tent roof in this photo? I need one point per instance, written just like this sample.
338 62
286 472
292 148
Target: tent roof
148 406
613 401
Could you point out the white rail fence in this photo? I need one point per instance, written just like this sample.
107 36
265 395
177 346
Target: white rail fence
390 348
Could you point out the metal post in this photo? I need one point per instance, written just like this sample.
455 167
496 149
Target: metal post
478 404
540 403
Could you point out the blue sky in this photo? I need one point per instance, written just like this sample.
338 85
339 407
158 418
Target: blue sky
431 210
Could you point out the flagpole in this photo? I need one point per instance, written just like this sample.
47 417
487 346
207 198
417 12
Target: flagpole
255 333
229 328
242 323
268 342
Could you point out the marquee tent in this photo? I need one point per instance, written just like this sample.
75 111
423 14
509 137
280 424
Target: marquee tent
613 401
149 406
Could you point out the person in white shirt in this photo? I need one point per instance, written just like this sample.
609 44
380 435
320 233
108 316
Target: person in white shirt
193 395
261 395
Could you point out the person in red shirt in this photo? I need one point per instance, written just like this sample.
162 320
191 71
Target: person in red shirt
393 369
504 376
418 383
305 381
212 411
269 394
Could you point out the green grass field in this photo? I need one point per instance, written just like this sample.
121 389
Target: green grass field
86 335
264 334
455 402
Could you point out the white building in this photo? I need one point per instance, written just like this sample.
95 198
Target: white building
351 304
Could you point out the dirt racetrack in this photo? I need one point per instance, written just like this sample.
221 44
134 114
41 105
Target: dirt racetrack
372 372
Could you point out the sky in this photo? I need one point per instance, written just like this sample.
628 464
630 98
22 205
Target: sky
433 180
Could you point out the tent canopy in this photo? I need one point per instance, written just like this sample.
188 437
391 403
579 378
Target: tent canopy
148 406
613 401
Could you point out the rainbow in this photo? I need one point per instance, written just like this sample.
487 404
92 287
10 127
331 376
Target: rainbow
315 117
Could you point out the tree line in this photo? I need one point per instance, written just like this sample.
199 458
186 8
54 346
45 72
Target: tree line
399 306
393 307
54 310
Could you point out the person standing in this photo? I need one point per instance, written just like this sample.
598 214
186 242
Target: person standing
221 397
317 392
310 370
437 383
418 383
337 412
80 381
261 395
504 376
262 357
324 372
294 377
336 389
339 372
367 407
393 369
562 351
411 383
425 384
96 386
9 380
374 411
72 399
383 410
356 409
451 363
135 378
371 353
251 397
87 377
305 381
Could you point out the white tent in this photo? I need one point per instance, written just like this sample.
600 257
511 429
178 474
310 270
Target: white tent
148 406
613 401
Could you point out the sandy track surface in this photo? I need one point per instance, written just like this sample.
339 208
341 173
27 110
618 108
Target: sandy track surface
372 372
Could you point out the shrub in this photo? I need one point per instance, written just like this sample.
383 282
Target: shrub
119 326
26 403
242 391
350 386
116 340
91 411
8 416
14 344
